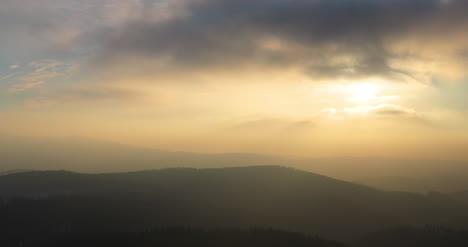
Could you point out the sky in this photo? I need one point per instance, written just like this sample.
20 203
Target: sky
321 78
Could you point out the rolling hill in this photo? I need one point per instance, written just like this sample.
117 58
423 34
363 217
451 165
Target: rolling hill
263 196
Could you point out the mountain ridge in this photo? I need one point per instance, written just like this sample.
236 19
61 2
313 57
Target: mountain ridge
92 156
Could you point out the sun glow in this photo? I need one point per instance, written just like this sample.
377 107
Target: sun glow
363 92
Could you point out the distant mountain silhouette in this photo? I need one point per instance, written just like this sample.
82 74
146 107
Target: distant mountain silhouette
267 196
441 182
92 156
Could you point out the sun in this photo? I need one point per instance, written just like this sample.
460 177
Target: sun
362 92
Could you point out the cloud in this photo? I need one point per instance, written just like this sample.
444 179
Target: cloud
392 110
404 113
96 93
38 102
380 110
34 74
24 86
400 40
323 39
89 94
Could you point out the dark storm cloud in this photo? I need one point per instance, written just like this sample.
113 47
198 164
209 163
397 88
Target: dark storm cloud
325 38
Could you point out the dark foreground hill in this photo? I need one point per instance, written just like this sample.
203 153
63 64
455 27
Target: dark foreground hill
276 197
179 237
429 236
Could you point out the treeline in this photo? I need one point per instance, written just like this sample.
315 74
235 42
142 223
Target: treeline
86 221
429 236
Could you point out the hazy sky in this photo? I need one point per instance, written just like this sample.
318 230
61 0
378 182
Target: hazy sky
288 77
